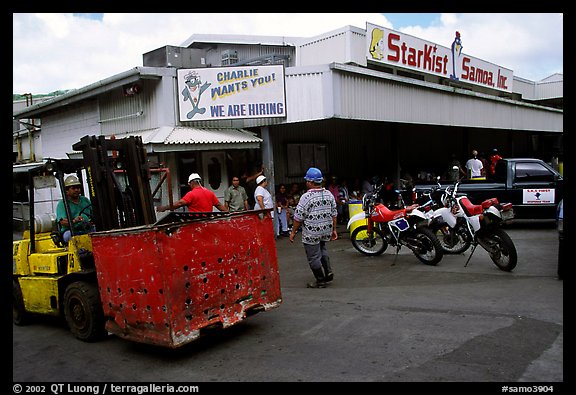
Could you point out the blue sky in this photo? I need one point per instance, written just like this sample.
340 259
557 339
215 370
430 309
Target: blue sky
400 20
94 16
76 50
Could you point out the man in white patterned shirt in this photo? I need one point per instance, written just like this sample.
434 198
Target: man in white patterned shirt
317 214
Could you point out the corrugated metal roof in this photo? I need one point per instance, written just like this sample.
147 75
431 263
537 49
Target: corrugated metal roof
187 135
241 39
180 138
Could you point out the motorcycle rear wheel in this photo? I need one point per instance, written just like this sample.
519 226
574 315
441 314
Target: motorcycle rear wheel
500 248
371 244
428 249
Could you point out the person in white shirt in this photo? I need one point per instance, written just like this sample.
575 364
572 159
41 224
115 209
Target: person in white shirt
474 165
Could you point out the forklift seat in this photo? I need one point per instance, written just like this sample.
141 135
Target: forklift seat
57 238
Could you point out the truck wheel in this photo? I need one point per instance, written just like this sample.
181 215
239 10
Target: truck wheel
373 244
83 311
19 315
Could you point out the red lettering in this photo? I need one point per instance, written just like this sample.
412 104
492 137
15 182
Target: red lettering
465 68
403 53
393 47
501 81
412 57
427 57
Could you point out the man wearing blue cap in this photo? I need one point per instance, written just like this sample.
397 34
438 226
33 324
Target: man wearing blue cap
317 214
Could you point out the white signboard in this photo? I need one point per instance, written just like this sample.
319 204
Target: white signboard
538 196
402 50
231 93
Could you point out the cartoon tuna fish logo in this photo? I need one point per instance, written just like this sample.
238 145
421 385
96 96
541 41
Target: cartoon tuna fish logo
193 91
456 51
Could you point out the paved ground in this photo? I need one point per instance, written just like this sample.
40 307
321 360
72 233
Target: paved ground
383 319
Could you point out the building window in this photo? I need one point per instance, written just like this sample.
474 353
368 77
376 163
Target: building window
301 157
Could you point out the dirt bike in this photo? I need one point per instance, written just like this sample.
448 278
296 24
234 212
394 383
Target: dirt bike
406 226
479 224
452 240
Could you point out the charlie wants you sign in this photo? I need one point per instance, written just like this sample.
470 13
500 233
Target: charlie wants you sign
231 93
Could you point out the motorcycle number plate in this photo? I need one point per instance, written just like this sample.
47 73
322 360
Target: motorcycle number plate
401 224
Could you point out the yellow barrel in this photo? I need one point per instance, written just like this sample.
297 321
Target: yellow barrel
355 207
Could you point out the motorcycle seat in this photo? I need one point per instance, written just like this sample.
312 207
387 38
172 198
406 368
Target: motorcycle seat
389 215
489 202
469 208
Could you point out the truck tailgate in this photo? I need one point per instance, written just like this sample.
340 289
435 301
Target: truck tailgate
161 284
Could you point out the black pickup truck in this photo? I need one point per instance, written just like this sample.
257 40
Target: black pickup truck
532 186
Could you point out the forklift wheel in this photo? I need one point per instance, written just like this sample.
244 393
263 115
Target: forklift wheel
19 314
83 311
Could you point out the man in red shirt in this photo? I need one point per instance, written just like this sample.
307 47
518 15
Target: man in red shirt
199 199
494 158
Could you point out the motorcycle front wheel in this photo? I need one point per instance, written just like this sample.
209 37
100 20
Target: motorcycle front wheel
452 242
501 249
368 243
426 247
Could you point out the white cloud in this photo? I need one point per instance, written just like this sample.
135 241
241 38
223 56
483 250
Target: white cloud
60 51
529 44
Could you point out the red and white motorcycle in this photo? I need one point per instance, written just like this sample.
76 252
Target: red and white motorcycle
478 224
406 226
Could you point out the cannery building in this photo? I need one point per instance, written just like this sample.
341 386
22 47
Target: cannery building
355 102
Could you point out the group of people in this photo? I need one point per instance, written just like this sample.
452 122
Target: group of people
476 167
315 211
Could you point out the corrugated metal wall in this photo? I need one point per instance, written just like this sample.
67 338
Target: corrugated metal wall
346 45
245 52
549 90
306 96
539 90
370 98
123 114
316 52
64 129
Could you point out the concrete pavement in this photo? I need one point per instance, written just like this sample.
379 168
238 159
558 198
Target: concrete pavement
386 318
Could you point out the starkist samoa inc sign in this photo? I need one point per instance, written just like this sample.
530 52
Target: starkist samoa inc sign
402 50
231 93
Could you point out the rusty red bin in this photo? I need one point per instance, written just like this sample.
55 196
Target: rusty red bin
162 283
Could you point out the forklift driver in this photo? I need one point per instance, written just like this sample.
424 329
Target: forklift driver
80 210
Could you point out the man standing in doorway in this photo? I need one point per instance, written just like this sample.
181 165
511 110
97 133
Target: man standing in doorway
235 197
316 212
199 199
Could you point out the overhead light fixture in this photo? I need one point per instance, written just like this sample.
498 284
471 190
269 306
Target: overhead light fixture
132 90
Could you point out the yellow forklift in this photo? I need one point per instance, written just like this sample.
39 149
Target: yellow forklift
157 281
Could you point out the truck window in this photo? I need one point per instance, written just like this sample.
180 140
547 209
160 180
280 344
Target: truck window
529 172
500 171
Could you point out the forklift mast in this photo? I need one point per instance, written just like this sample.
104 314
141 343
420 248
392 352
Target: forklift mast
118 177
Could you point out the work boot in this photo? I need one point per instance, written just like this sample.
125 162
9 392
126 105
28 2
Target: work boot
319 283
328 274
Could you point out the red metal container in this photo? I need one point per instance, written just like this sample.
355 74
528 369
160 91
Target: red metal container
161 284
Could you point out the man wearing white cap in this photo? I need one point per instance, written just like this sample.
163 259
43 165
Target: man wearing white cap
199 199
